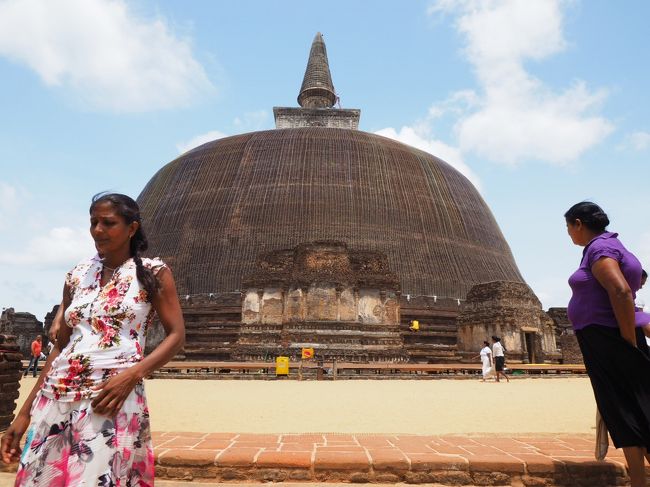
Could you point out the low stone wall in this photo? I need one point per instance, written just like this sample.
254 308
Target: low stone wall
10 369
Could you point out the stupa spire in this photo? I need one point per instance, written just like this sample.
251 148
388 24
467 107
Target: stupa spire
317 90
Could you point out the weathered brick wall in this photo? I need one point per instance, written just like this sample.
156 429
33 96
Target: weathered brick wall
571 353
287 118
10 368
23 326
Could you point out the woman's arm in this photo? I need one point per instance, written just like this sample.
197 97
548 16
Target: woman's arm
10 444
608 273
115 390
53 332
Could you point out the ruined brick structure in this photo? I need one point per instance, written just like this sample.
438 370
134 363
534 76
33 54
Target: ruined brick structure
511 311
47 324
10 373
24 326
566 338
212 211
342 302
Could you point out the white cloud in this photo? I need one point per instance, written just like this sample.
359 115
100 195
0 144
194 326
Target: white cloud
252 120
248 122
61 247
515 117
10 199
642 251
638 141
198 140
101 51
419 138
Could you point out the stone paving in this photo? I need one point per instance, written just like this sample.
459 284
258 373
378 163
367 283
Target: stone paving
536 460
524 460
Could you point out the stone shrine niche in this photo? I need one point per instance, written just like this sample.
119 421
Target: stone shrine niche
24 326
342 303
321 281
511 311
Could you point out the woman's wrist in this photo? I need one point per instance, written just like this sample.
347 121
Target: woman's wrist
138 372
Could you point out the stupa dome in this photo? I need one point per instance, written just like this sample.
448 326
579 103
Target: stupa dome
214 209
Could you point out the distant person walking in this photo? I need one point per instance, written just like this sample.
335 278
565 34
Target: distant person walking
602 313
499 358
37 348
487 367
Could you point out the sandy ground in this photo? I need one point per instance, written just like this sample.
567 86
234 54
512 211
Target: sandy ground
540 405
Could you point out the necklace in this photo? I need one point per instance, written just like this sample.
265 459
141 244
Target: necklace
112 270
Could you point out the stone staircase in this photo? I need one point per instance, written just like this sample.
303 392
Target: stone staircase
211 333
331 340
437 340
214 332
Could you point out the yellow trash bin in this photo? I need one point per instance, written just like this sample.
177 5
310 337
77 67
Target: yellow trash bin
282 366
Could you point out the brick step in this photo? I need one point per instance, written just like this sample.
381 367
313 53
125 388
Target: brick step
334 333
254 347
396 342
561 460
211 311
432 346
211 332
428 333
433 353
212 324
429 327
324 326
210 345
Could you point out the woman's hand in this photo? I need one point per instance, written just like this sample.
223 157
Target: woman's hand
114 392
10 445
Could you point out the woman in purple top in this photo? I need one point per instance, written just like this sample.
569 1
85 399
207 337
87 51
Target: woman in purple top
602 313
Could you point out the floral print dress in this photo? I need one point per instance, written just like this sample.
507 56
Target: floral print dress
67 444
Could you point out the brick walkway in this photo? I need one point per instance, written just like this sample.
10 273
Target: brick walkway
551 460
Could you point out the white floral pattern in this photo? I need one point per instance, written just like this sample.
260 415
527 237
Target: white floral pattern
109 327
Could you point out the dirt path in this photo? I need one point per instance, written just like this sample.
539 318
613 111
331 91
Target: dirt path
552 405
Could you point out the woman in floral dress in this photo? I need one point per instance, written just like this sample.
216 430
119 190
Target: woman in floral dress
87 420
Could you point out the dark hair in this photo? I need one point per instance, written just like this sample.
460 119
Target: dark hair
644 274
128 209
590 214
485 342
496 338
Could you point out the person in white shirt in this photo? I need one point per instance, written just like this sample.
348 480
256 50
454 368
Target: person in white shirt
486 360
499 358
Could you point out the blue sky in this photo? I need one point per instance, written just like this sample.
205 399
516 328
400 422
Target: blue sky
541 103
